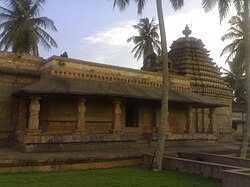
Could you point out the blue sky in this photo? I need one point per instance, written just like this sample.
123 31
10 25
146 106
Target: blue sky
91 30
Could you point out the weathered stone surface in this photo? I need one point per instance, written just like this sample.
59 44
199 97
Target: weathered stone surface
58 119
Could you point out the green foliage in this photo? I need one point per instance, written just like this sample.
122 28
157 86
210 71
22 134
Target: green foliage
223 6
22 29
122 4
235 49
236 58
118 177
148 40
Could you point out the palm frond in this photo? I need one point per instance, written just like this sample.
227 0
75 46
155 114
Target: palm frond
121 4
238 5
44 36
140 6
223 7
138 52
5 10
36 7
177 4
208 5
44 22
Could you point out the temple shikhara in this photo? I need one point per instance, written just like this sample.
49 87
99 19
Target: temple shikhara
63 104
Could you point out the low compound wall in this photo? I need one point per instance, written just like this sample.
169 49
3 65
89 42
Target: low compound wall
236 178
191 166
230 178
220 159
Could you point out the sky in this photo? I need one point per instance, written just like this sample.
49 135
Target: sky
91 30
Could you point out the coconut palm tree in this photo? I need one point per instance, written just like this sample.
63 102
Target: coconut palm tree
240 5
122 4
148 40
235 59
22 29
223 6
235 49
236 80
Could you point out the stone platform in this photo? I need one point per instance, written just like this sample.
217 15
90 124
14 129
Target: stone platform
12 161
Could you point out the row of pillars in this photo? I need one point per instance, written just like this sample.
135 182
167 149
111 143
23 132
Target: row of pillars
34 109
191 128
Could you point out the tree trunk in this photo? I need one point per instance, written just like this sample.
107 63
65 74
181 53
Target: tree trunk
157 162
244 143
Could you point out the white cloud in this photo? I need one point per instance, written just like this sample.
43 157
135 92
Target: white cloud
115 35
110 45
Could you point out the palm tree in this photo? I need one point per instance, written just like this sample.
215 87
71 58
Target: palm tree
122 4
235 59
240 5
22 29
223 6
236 80
148 40
235 50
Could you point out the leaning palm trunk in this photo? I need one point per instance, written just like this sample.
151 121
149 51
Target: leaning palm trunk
244 144
157 162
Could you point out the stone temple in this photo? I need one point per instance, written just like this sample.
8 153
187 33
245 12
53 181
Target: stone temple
64 104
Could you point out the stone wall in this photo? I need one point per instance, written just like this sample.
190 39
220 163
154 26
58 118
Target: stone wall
58 114
177 118
15 73
191 166
230 178
214 158
148 116
71 68
99 115
236 178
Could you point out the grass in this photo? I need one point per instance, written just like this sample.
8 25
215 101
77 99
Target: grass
118 177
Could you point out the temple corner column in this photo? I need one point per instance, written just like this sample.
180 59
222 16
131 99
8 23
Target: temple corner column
34 109
117 123
189 124
212 128
80 124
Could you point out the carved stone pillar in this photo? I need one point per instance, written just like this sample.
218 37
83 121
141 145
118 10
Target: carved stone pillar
212 127
117 124
189 125
21 124
81 109
34 109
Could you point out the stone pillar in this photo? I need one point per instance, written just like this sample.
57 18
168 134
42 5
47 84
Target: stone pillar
81 109
117 123
189 125
34 109
212 127
21 124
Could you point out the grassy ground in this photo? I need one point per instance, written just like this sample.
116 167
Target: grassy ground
118 177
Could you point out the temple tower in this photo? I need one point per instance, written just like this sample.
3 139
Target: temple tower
191 59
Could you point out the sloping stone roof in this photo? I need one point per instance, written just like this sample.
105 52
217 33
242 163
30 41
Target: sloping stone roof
54 85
